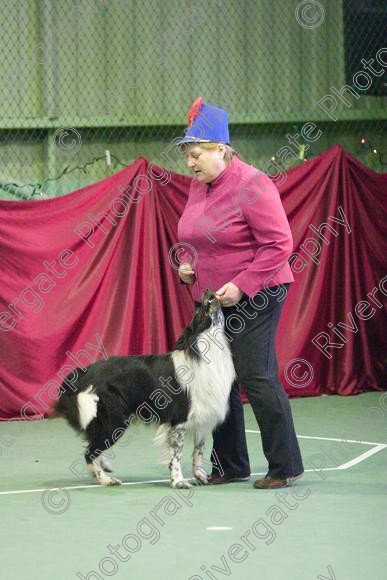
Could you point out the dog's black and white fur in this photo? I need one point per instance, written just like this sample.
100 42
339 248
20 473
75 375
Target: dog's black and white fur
103 397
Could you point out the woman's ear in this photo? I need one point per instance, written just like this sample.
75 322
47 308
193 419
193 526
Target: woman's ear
221 150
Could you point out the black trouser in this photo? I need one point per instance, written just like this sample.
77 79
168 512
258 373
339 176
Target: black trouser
252 333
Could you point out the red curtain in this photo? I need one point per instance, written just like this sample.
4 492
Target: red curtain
88 275
331 290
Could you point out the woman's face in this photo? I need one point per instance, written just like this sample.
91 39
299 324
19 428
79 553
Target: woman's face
206 164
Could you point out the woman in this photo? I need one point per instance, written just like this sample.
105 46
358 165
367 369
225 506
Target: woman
235 221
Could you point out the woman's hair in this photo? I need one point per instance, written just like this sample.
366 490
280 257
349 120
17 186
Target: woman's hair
229 153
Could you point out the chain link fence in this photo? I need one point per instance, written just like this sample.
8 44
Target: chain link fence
87 86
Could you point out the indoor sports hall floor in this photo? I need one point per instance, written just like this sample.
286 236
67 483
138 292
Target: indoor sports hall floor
333 525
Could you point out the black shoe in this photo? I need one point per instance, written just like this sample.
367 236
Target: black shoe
217 479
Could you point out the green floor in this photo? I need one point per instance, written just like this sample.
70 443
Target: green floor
334 526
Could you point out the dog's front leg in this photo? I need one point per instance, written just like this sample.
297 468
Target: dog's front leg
176 444
102 478
197 459
93 461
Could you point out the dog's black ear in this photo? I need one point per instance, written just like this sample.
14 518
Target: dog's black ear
182 342
189 335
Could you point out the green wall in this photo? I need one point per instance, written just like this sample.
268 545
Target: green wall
73 64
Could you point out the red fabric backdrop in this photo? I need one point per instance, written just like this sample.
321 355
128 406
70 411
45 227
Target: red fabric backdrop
110 289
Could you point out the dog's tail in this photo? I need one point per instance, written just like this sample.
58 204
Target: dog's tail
87 406
78 402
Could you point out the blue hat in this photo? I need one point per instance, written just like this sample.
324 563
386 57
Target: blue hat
206 124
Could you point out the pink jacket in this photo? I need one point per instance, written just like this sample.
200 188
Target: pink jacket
238 231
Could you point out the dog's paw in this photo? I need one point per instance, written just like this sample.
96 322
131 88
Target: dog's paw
114 481
201 476
182 484
106 480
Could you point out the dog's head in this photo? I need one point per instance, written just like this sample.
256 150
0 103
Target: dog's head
210 309
208 313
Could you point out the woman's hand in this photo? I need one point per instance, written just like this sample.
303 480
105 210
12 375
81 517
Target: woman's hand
186 273
229 294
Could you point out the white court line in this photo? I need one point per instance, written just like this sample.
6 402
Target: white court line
96 486
377 447
328 439
90 486
362 457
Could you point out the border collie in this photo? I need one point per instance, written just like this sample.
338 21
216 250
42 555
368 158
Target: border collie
189 386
